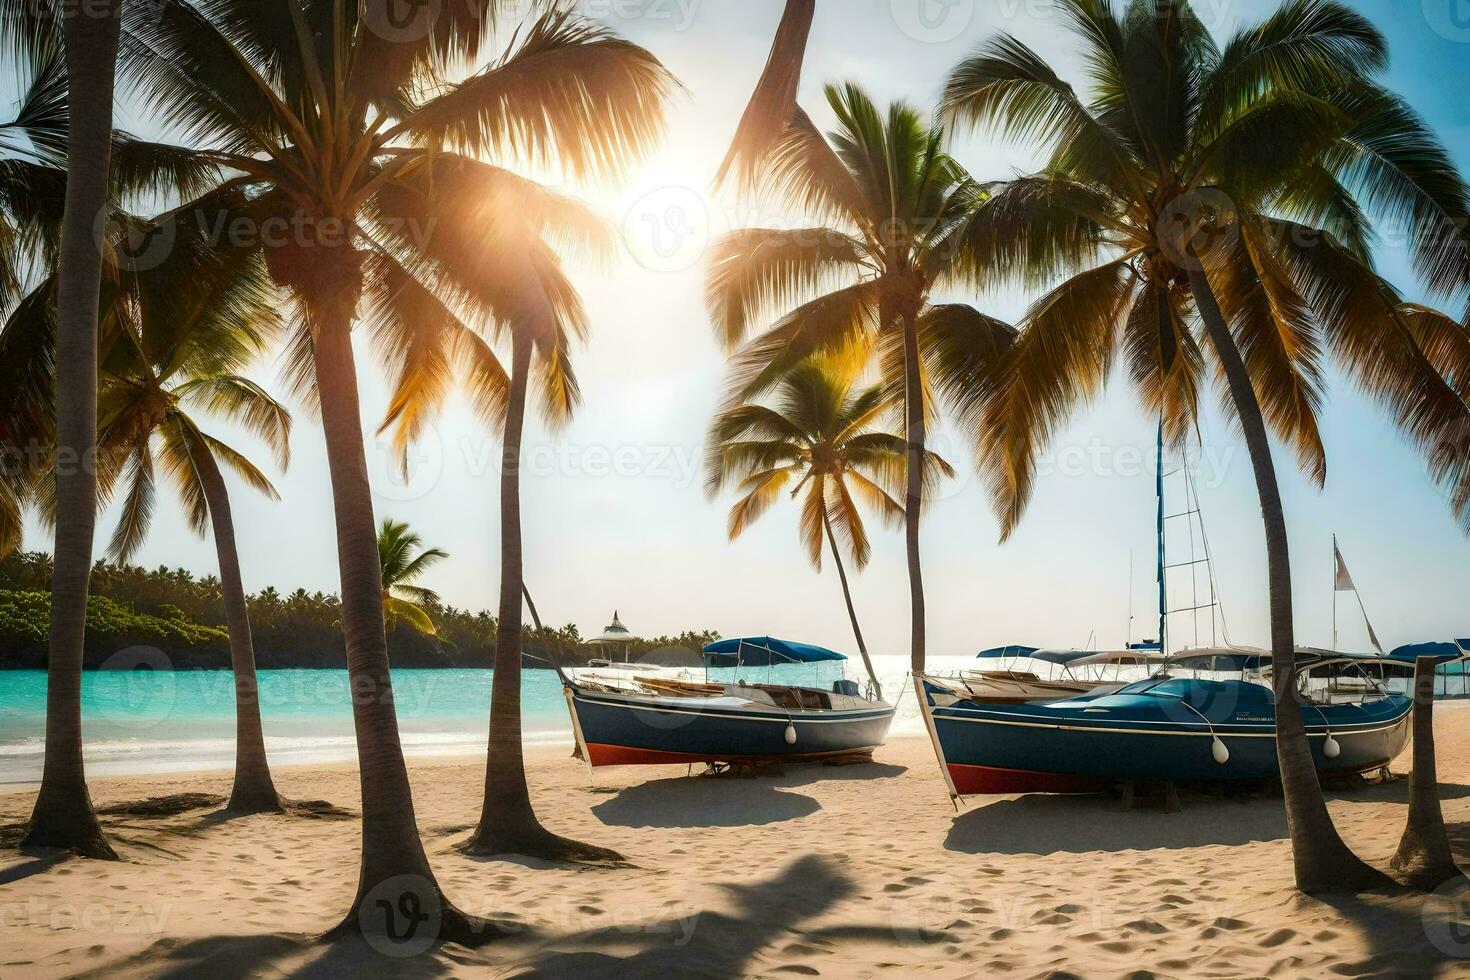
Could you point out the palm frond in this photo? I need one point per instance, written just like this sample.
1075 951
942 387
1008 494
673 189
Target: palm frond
1061 358
568 94
246 404
137 512
755 271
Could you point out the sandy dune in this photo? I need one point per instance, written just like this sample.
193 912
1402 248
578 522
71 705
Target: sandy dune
858 871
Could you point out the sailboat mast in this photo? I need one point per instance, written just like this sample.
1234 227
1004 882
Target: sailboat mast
1163 590
1334 591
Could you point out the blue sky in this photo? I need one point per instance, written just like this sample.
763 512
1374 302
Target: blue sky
615 514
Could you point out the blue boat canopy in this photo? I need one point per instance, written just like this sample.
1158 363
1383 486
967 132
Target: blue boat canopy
1447 650
1001 653
1031 653
762 651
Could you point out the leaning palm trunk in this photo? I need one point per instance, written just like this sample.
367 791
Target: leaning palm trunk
395 883
508 823
913 395
851 612
253 792
1323 863
63 816
1424 859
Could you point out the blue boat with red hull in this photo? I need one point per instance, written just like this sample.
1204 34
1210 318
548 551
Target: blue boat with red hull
653 720
1167 728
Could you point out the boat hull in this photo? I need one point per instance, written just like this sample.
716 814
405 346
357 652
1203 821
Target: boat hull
1069 747
622 730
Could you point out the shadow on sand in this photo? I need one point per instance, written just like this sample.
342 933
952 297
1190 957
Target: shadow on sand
711 944
694 801
696 942
728 801
1046 824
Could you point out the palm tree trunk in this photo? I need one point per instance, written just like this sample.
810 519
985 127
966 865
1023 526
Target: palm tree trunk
1424 859
508 823
396 888
1323 863
857 631
253 791
63 815
913 395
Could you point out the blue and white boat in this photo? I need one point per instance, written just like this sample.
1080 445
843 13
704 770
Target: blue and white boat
1168 728
736 714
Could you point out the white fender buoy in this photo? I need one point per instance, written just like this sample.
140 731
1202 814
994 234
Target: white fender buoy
1219 751
1331 748
790 734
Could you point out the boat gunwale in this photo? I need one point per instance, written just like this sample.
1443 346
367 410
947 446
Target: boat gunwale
643 702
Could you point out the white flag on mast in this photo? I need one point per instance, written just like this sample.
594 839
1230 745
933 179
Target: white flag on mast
1344 579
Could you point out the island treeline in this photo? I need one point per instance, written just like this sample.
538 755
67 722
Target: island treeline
171 610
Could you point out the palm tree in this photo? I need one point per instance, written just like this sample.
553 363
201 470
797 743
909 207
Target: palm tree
181 342
63 815
888 202
1423 857
1209 204
176 335
821 436
540 338
403 560
358 145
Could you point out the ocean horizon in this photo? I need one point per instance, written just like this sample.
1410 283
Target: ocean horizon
160 721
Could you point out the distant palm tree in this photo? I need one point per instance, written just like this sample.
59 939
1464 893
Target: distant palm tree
360 148
888 203
404 560
820 436
1208 205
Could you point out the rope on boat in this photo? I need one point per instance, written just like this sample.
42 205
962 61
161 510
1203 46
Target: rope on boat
1217 748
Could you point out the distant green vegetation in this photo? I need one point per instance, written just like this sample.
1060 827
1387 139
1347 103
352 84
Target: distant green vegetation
111 626
172 610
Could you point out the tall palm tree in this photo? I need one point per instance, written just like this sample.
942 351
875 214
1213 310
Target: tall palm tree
540 340
63 815
822 436
176 351
174 337
351 136
404 560
887 204
38 188
1209 205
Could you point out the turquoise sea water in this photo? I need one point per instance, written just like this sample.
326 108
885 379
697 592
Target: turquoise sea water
163 720
157 720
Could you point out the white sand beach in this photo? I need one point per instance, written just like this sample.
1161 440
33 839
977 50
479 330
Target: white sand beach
845 872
